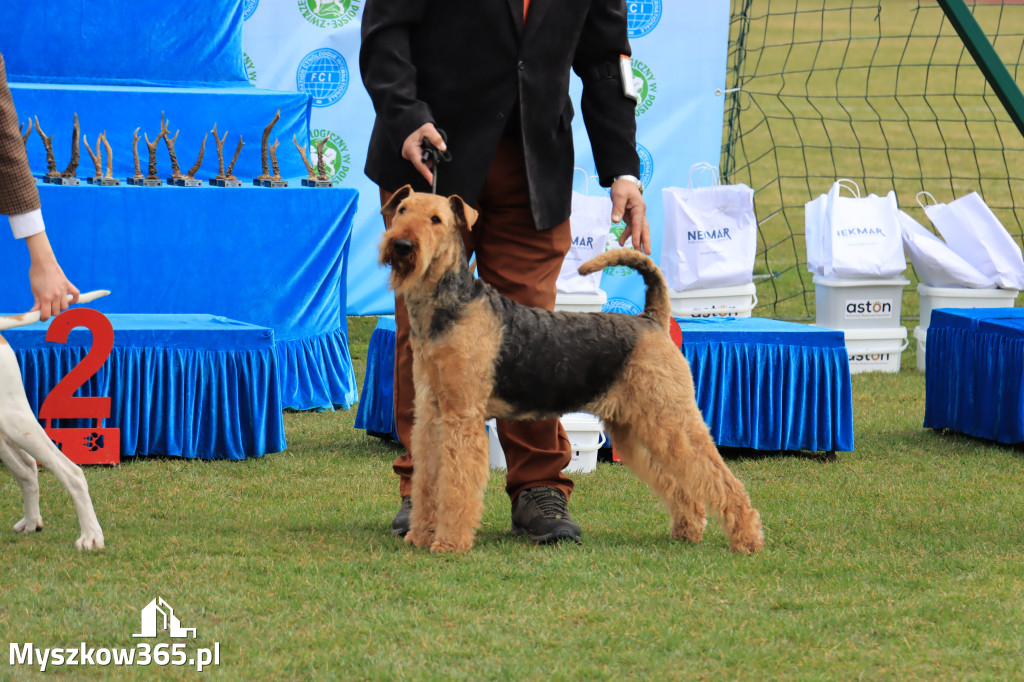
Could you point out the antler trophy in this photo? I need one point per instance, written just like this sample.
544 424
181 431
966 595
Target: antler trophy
52 176
265 179
222 179
169 141
189 179
137 178
319 177
97 158
153 180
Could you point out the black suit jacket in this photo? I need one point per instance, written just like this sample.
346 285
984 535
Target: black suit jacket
465 64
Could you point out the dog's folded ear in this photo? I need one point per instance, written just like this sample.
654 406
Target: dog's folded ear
389 208
465 216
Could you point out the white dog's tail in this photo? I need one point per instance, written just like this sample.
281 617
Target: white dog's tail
29 318
657 305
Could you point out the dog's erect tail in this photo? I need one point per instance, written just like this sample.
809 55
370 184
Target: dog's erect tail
657 306
33 316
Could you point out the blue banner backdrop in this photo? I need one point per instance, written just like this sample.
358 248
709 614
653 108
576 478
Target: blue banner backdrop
679 66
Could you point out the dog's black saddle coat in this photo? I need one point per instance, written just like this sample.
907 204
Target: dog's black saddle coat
558 362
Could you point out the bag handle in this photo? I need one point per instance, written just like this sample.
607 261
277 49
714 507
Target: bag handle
586 179
703 169
849 185
927 194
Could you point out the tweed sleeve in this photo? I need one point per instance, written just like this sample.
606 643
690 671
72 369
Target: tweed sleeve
18 193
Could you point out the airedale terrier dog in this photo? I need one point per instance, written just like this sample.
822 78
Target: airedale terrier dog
477 354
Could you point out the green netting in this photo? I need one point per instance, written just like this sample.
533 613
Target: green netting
885 94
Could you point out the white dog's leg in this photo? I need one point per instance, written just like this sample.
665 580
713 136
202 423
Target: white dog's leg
28 478
22 430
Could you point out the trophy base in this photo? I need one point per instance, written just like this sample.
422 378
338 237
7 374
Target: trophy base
224 182
104 182
187 182
152 182
60 180
258 182
307 182
273 183
134 181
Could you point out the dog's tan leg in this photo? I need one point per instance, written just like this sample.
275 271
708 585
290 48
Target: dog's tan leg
27 474
464 468
687 515
426 440
669 424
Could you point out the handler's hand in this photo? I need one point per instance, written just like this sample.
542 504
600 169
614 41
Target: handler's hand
412 148
50 286
628 203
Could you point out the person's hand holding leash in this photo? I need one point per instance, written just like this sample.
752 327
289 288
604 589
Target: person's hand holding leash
412 148
628 203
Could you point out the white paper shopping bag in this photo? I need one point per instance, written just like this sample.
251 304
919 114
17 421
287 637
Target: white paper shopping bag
710 237
935 263
972 230
863 238
590 222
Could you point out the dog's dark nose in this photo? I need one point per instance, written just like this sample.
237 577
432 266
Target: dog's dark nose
402 247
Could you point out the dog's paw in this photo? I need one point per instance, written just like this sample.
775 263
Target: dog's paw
26 526
419 538
90 541
450 546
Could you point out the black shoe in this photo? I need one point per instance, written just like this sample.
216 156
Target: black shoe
400 524
543 514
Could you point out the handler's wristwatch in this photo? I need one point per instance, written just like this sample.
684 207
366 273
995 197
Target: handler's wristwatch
632 178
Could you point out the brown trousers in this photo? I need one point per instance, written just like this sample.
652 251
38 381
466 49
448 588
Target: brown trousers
522 263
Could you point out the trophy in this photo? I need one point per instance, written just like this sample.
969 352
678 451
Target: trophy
137 178
265 179
153 180
68 176
26 132
98 178
318 178
169 141
190 176
51 162
225 179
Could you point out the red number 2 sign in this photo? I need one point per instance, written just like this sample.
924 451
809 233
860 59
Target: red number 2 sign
82 445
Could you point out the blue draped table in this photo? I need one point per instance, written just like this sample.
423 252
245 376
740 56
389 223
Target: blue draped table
195 386
761 384
270 257
974 371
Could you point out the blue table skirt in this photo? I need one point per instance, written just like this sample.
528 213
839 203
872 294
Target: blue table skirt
194 386
761 384
974 373
271 257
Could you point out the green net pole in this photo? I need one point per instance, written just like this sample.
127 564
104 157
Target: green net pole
985 56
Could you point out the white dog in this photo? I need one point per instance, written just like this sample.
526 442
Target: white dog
23 442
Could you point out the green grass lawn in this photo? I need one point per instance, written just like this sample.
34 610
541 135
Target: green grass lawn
902 560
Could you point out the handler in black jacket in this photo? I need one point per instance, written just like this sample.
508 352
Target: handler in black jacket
494 75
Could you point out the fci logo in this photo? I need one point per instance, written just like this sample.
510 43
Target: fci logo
323 73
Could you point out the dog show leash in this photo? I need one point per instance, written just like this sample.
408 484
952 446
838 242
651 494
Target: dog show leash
434 156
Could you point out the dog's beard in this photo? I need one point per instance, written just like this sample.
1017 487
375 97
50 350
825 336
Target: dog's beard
401 266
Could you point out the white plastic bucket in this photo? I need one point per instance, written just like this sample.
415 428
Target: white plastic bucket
875 350
586 433
581 303
858 303
736 301
921 334
951 297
